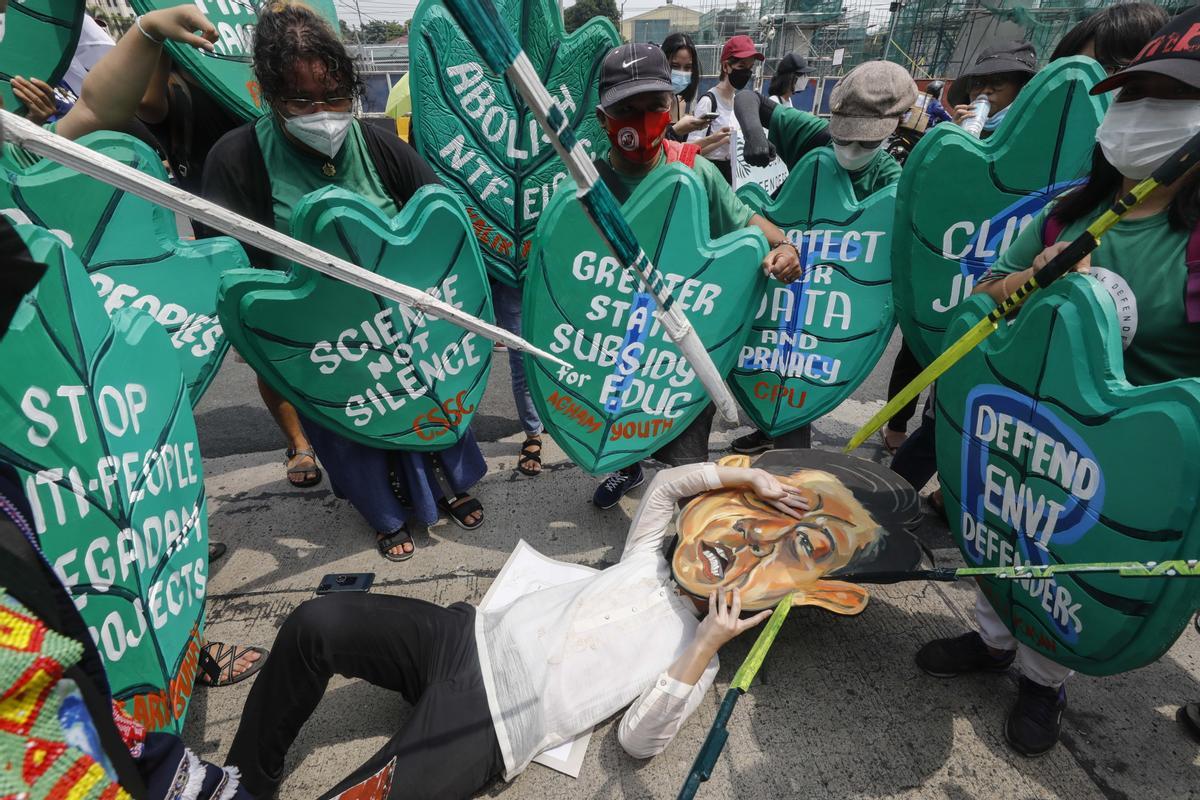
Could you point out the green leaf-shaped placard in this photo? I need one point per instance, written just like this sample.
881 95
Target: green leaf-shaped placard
961 201
39 42
479 136
131 248
371 369
1047 455
631 391
94 417
816 339
227 74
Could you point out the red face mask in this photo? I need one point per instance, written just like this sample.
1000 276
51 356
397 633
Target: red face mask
638 137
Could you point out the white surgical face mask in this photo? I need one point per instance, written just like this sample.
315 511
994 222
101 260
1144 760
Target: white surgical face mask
1138 136
854 156
324 131
800 85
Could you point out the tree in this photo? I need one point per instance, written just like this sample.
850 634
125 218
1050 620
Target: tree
583 10
375 31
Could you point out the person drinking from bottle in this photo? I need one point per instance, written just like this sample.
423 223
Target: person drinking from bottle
992 83
492 689
1143 261
635 103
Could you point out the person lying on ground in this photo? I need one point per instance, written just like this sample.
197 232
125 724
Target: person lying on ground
493 689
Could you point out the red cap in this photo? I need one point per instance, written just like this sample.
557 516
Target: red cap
740 47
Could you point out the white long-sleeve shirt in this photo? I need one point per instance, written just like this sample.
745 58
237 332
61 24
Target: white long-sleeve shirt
560 660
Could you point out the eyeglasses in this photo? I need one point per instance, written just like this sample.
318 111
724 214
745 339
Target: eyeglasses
994 82
299 106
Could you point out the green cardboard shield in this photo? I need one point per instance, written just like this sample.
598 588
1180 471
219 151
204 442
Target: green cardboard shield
39 42
226 74
94 417
479 136
961 201
369 368
631 391
131 248
1047 455
816 339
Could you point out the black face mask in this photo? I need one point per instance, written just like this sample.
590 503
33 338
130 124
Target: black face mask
738 78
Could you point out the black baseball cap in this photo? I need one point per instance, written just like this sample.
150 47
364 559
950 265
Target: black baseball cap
633 69
1012 56
1174 51
793 62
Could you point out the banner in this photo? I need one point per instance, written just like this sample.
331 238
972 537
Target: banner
39 42
369 368
631 392
131 248
816 339
1047 455
961 201
227 74
94 417
478 134
770 178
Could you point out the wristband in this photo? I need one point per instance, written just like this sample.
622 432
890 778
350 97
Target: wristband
138 21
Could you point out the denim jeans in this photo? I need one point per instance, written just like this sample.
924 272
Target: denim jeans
507 303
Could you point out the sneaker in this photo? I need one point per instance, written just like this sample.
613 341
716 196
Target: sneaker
947 658
616 485
753 443
1034 722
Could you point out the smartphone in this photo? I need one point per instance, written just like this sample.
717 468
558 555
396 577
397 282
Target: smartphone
346 582
710 116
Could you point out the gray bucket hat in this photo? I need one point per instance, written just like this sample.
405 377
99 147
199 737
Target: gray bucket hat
867 104
1013 56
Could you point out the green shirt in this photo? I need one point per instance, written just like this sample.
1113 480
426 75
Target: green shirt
1143 264
726 213
792 132
295 173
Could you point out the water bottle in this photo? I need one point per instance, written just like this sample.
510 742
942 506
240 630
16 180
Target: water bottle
979 114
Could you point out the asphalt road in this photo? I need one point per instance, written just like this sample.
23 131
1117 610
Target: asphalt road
839 709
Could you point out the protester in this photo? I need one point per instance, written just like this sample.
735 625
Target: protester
1144 257
791 77
1113 35
262 170
998 73
187 122
685 80
739 58
493 689
865 109
506 301
638 98
42 102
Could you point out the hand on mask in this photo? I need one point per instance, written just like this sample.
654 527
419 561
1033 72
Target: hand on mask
723 622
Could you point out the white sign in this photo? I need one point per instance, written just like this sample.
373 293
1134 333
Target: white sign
770 177
838 56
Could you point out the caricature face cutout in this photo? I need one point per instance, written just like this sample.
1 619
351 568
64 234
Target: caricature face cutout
730 539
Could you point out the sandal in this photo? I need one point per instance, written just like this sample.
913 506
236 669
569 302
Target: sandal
385 542
887 445
215 551
531 454
461 507
314 470
217 661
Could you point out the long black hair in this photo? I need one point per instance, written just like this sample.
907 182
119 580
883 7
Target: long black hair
1101 189
678 41
781 84
288 32
1117 33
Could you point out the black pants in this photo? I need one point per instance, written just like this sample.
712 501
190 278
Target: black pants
446 749
904 369
916 460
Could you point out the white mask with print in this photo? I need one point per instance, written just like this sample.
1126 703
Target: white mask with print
854 156
324 131
1139 136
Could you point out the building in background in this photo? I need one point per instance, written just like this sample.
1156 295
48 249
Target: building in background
117 14
653 26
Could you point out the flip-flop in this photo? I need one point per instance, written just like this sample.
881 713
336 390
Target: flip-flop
303 483
384 545
530 451
461 507
217 669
